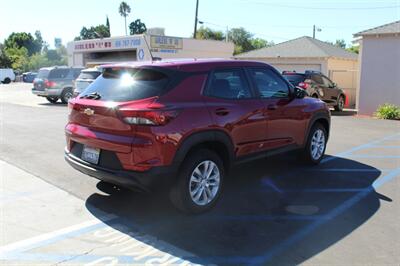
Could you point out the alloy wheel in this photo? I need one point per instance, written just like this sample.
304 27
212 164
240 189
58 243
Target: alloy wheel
204 183
341 103
317 144
67 96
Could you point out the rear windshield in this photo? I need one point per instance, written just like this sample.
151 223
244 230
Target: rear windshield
89 75
58 73
43 73
295 79
119 84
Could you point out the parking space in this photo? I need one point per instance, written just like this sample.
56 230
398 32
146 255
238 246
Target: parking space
273 212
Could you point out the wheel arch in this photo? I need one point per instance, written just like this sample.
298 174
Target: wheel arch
321 118
215 140
67 88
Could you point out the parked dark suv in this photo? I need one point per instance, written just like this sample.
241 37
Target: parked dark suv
56 83
318 86
183 124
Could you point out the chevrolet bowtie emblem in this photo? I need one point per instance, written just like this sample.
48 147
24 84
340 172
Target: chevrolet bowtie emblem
88 111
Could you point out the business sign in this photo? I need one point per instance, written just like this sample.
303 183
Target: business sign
141 54
165 42
93 45
109 44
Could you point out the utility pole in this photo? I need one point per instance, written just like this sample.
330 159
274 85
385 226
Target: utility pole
313 32
196 19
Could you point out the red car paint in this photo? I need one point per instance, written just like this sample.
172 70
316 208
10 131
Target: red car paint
252 125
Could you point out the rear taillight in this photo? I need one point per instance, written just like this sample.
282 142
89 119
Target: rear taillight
148 117
303 85
49 84
72 106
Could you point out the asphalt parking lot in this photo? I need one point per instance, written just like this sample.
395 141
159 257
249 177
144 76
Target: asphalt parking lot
273 211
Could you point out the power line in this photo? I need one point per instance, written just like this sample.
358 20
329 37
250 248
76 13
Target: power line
321 8
255 33
245 24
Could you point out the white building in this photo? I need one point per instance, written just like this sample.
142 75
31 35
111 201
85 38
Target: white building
137 48
379 67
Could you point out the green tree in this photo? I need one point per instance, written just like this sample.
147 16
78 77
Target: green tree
53 55
5 61
100 31
205 33
26 40
258 43
124 10
242 40
354 49
38 40
137 27
19 58
108 25
37 61
340 43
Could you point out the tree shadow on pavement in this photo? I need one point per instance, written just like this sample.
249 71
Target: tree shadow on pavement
274 211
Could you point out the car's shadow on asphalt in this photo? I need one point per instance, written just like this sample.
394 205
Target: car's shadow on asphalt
344 113
57 104
275 211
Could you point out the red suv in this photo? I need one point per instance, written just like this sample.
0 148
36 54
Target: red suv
185 123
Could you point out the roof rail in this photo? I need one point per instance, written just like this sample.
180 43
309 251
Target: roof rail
313 72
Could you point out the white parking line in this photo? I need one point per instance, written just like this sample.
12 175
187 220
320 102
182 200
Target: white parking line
47 236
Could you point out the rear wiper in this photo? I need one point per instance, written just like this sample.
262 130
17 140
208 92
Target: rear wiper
93 95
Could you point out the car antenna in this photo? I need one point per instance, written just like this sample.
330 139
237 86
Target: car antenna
148 47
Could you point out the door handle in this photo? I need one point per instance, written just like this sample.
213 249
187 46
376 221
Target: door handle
272 107
221 111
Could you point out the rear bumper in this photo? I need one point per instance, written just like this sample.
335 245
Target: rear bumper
144 181
47 92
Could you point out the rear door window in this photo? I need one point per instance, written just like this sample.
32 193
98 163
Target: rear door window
43 73
295 79
89 75
317 79
269 84
327 82
58 73
228 84
77 72
128 84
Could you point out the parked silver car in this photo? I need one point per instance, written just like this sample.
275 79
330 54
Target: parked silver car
56 83
86 77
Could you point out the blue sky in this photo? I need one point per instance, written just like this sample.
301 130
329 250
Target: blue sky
269 19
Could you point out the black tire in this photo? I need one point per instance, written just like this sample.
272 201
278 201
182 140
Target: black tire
340 104
52 99
180 191
66 95
7 81
307 153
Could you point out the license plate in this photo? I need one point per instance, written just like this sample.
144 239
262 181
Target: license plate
90 154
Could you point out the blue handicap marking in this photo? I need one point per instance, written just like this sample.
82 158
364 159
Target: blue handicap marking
98 244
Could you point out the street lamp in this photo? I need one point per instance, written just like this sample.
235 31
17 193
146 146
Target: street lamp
315 29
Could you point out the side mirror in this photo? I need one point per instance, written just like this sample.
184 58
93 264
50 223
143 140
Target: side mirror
299 93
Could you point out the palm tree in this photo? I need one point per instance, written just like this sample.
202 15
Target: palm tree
124 10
